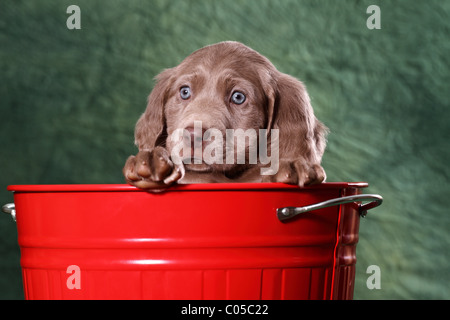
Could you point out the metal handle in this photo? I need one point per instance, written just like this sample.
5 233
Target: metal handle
10 208
286 213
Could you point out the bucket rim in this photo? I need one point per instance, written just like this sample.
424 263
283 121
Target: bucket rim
181 187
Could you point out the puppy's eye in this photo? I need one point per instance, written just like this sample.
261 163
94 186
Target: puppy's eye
238 97
185 93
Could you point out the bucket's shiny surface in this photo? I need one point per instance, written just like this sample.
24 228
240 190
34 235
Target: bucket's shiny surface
205 241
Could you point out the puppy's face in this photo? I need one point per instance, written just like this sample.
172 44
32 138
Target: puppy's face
209 92
214 104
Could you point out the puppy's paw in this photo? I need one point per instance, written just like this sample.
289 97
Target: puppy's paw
297 172
151 170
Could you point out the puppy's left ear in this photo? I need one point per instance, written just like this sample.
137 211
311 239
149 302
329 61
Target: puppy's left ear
301 134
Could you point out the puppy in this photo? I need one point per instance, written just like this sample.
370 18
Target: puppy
218 115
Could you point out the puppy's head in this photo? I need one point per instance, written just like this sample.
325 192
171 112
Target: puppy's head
214 92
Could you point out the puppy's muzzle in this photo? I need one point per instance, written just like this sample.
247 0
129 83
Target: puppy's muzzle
195 139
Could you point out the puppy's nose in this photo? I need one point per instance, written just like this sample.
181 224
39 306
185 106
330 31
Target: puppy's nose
193 136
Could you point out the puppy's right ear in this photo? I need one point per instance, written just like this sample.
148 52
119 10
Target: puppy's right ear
150 128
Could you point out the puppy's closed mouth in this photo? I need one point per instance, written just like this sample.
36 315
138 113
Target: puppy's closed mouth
196 164
192 160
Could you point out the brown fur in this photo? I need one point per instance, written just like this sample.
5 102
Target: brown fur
273 101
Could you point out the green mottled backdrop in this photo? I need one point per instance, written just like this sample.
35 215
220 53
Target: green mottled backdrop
69 100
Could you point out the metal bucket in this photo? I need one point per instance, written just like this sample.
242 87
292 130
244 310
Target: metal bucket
203 241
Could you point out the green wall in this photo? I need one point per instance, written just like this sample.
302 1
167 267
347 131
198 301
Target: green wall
69 100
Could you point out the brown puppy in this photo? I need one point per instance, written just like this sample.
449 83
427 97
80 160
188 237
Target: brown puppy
190 133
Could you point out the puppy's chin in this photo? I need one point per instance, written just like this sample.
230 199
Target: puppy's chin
202 167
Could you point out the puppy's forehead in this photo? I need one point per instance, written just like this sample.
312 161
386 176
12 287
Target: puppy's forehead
202 72
224 70
225 55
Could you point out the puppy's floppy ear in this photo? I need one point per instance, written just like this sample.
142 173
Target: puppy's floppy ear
301 134
150 128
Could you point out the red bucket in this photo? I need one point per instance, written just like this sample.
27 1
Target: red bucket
205 241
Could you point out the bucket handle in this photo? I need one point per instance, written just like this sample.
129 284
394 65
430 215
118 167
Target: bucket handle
10 208
287 213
